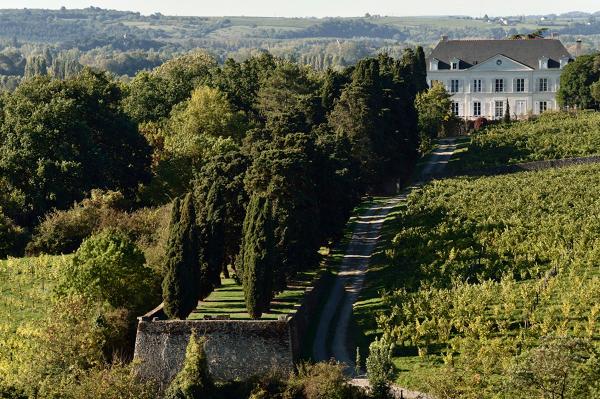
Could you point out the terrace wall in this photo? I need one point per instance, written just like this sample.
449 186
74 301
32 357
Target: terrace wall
235 349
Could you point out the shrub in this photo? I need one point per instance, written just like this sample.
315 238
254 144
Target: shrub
194 380
380 369
62 232
10 392
11 236
67 343
480 123
322 381
109 382
559 367
109 267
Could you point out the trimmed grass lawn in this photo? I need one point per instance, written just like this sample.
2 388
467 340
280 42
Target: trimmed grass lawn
228 300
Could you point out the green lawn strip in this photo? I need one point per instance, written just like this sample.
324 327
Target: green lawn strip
228 300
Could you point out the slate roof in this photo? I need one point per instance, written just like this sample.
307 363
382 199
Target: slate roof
473 52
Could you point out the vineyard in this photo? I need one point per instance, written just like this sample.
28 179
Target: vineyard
487 270
552 136
25 296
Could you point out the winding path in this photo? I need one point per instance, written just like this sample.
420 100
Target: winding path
351 276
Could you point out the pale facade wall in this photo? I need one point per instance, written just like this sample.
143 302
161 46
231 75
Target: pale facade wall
521 103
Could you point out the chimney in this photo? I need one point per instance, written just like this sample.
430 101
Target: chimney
444 38
578 48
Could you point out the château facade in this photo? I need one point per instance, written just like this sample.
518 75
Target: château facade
483 75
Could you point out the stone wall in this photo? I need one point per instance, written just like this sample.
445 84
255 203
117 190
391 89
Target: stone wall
236 349
526 166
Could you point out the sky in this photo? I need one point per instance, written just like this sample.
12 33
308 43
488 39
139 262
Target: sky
321 8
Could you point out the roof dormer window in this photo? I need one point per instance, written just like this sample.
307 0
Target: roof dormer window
564 61
454 64
543 63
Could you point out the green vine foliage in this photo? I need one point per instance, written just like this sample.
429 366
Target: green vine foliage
553 135
490 266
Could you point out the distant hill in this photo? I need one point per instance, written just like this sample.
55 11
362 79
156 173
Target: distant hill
126 42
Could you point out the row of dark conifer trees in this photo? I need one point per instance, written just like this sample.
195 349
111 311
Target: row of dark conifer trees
316 143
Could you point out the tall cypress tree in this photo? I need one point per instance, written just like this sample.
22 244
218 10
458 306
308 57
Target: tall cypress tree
256 256
181 283
420 70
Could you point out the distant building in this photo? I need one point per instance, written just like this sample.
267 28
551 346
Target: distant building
482 75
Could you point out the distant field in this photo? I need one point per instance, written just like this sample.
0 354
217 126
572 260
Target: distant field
552 136
502 259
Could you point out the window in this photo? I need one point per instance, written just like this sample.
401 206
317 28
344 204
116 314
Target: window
477 86
543 106
520 107
499 109
499 85
454 65
454 86
476 108
519 85
455 108
543 84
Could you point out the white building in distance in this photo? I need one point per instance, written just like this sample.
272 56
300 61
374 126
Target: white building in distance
482 75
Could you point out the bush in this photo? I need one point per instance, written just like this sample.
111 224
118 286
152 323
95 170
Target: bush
11 237
194 380
9 392
569 366
321 381
109 267
62 232
480 123
109 382
380 369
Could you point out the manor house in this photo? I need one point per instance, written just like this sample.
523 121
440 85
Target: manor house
483 75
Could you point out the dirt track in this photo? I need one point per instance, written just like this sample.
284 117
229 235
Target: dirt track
350 279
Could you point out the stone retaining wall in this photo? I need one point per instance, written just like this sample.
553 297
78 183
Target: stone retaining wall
526 166
236 349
